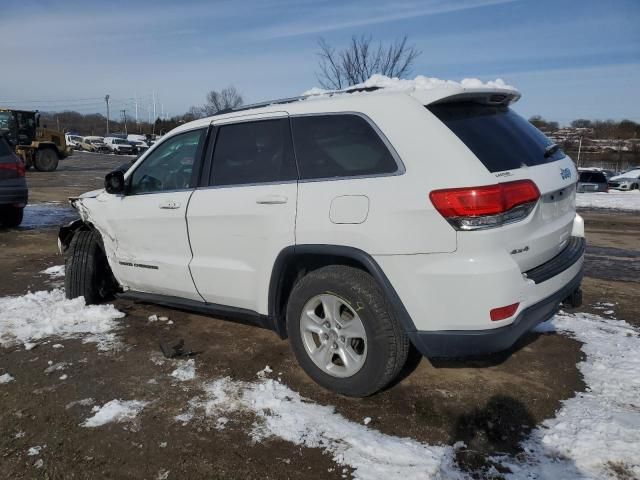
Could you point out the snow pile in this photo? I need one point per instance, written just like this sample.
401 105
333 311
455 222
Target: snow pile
612 200
186 371
6 378
283 413
57 271
115 411
419 83
42 314
599 429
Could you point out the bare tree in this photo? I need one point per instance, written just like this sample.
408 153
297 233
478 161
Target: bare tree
226 98
341 68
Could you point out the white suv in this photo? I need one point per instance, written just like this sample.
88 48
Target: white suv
118 145
356 224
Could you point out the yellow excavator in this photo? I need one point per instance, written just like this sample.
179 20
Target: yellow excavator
39 147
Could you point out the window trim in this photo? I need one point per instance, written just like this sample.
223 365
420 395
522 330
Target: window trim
198 160
210 150
400 168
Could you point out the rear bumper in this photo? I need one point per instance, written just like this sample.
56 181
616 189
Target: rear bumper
457 343
14 195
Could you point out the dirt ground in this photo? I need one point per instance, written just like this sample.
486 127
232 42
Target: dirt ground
489 403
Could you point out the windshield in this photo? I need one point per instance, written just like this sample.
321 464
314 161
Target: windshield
5 120
499 137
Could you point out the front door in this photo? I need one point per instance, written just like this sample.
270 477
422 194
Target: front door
152 251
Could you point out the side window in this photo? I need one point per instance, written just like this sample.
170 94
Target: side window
343 145
170 165
253 152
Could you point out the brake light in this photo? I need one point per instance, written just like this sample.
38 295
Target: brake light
502 313
487 206
17 166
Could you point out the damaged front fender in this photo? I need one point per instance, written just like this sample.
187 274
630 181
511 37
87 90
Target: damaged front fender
66 233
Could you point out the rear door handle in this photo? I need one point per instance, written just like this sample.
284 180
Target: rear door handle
169 205
271 199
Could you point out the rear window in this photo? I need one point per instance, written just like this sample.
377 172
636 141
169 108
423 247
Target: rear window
340 145
593 177
499 137
5 149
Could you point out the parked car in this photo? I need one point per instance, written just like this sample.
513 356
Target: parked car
73 141
626 181
353 224
118 146
94 144
138 147
13 186
592 181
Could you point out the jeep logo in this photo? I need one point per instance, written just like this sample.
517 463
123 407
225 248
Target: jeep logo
565 173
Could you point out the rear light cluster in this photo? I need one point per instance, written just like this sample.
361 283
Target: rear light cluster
17 166
475 208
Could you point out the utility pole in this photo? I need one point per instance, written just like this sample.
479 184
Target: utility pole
106 99
154 112
579 148
135 96
124 116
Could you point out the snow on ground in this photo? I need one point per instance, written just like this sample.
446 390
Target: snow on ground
186 371
283 413
115 411
57 271
419 83
35 316
6 378
592 433
49 214
599 429
612 200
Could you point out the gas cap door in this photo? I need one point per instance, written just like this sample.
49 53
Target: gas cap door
349 209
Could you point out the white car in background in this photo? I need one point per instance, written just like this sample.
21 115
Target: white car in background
355 224
73 141
626 181
118 145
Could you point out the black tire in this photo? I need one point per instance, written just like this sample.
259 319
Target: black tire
87 272
634 186
11 216
46 160
387 343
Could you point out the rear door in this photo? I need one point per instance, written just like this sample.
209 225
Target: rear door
245 213
512 149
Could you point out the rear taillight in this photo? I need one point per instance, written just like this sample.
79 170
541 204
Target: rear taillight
502 313
488 206
17 166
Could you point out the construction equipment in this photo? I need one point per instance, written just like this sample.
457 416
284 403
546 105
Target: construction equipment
39 147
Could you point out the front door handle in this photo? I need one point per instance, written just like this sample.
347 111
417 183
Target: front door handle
271 199
169 205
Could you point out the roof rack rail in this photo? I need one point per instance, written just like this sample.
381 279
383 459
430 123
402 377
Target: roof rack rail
282 101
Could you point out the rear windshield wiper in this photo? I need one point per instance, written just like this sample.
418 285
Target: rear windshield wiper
551 149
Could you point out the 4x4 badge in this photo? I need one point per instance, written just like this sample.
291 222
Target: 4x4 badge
565 173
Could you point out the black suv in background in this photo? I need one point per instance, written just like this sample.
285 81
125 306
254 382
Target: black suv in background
13 186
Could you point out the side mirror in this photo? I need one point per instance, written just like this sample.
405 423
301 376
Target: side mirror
114 182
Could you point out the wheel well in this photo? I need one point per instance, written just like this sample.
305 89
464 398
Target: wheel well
294 263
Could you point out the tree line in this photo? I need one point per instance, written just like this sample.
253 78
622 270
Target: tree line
599 129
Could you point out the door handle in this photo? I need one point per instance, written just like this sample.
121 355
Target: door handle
271 199
169 205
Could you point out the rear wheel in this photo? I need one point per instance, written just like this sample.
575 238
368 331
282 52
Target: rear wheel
343 331
46 160
11 216
87 272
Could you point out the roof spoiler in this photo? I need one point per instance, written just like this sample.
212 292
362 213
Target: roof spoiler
484 97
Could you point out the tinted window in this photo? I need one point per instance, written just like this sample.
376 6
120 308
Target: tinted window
170 165
253 152
5 149
339 146
499 137
593 177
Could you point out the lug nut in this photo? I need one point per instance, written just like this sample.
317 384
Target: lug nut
327 325
334 346
342 339
325 336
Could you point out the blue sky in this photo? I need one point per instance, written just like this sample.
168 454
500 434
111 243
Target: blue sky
570 59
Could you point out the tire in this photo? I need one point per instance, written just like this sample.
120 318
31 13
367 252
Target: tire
87 272
358 296
634 186
46 160
11 216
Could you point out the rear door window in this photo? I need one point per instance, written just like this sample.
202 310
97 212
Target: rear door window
592 177
499 137
253 152
344 145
